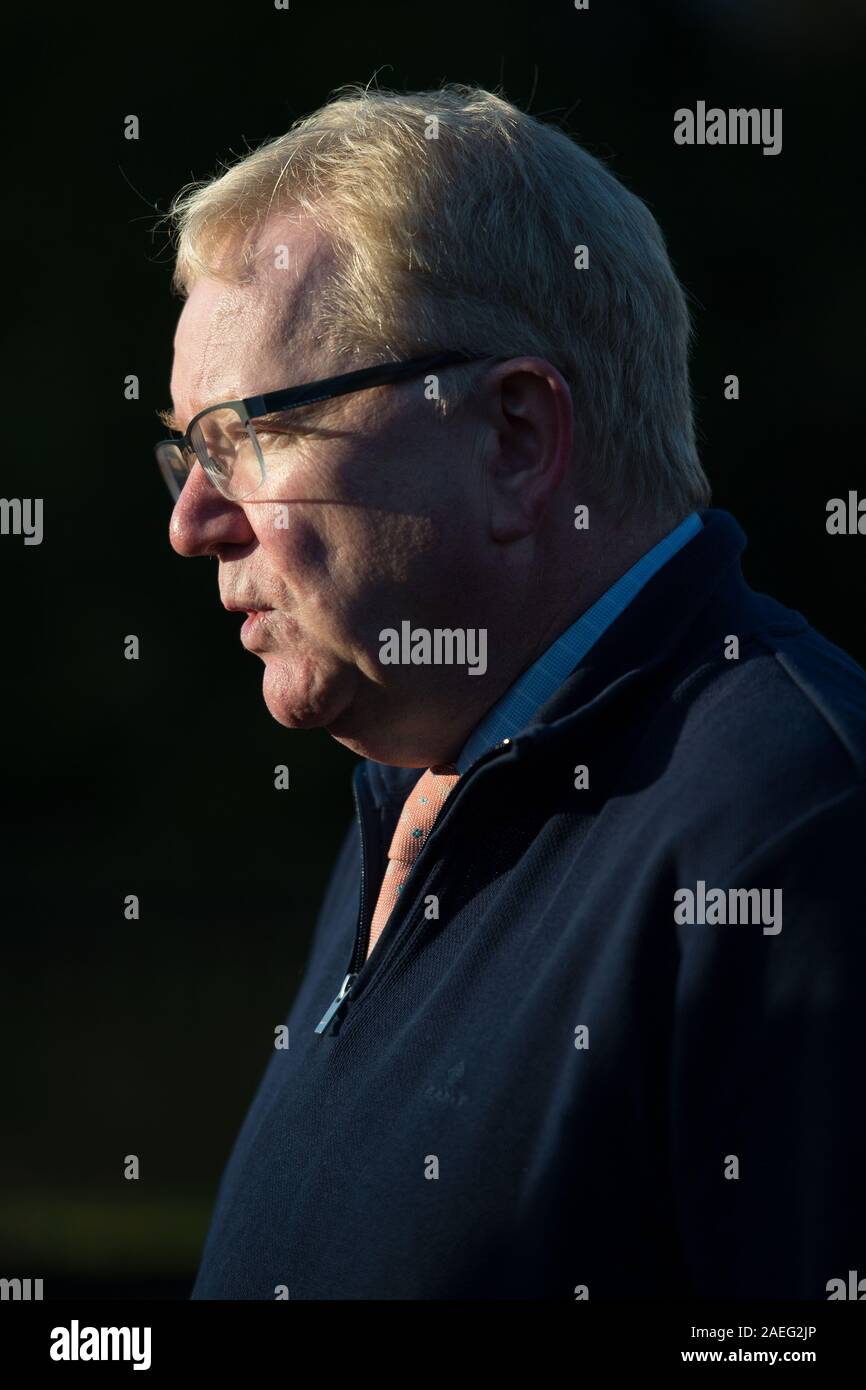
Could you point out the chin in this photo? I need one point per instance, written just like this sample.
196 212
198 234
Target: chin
303 695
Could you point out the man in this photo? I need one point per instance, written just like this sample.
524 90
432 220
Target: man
582 1012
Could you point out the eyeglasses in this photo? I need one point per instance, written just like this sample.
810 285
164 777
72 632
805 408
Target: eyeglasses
223 438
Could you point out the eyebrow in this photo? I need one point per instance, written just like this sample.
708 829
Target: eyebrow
171 422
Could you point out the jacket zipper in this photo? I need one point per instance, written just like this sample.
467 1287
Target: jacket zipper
360 934
335 1004
362 929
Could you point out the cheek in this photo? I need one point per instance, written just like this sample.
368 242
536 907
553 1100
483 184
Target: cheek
296 548
340 566
325 562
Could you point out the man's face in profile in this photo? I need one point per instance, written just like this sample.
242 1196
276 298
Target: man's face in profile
361 521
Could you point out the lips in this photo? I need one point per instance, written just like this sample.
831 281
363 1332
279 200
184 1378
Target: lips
255 618
242 606
256 615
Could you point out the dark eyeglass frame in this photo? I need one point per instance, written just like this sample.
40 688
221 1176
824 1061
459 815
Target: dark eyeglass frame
251 408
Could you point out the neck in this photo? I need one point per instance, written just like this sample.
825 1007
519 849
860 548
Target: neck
548 593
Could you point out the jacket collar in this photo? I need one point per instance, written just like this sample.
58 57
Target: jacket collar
660 619
657 629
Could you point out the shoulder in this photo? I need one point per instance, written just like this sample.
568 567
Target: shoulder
769 737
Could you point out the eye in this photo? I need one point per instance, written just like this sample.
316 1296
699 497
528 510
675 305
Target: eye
277 430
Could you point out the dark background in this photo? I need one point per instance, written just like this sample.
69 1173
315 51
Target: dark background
155 777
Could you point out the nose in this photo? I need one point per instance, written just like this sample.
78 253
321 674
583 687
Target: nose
203 520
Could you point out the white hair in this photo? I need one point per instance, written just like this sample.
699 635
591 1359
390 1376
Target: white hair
454 218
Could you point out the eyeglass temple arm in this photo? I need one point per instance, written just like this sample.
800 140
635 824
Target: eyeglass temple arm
355 381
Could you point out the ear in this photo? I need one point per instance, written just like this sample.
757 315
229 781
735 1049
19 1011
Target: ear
529 410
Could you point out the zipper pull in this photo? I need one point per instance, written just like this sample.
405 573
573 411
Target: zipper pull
332 1008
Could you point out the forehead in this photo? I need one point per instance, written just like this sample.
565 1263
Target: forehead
243 339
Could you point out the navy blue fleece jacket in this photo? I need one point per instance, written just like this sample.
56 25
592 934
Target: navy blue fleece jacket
554 1084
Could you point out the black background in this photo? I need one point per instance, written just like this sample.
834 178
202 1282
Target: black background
155 777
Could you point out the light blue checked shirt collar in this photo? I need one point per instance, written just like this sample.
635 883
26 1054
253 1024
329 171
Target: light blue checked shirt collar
544 677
